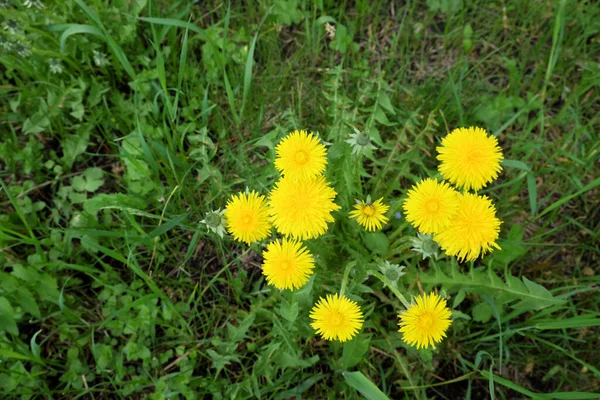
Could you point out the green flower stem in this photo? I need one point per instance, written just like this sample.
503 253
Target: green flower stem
349 266
394 290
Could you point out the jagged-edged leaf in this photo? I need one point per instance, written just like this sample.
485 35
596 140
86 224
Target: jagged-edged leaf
520 294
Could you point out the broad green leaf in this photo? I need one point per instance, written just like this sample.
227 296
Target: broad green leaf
364 386
7 319
355 350
377 242
482 312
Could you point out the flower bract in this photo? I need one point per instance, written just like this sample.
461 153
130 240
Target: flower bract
247 217
302 208
473 230
370 215
336 318
469 158
287 264
300 155
430 205
425 322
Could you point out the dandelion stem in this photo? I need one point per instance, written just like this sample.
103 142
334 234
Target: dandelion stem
394 290
349 266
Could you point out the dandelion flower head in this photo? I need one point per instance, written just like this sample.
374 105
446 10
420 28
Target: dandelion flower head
247 217
370 215
425 323
300 155
431 205
473 230
336 318
469 158
302 209
287 264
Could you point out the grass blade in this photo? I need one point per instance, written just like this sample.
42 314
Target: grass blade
250 63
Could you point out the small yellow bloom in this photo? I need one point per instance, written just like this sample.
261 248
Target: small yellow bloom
430 205
425 323
336 318
287 264
302 209
300 155
474 229
370 215
469 158
247 217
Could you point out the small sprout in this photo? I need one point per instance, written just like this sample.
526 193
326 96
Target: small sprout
215 221
360 142
425 245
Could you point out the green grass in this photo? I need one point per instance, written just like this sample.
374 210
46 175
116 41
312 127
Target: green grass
111 286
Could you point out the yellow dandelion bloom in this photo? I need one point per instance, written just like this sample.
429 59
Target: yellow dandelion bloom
430 205
336 318
425 323
247 217
300 155
473 230
370 215
470 158
302 208
287 264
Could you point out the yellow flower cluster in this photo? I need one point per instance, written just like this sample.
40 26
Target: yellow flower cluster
464 224
299 207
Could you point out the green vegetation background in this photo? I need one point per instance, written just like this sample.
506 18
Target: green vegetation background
124 122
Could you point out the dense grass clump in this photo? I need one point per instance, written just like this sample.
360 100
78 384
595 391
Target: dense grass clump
128 127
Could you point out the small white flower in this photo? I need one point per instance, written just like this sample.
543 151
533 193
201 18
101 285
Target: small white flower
56 66
215 221
330 30
11 26
34 3
5 43
100 59
360 142
22 50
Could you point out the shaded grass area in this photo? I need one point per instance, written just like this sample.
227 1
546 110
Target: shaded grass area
135 298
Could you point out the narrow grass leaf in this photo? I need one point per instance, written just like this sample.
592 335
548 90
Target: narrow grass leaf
566 199
569 323
250 63
74 29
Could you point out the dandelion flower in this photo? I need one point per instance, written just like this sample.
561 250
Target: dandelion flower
287 264
300 155
473 230
425 323
336 318
430 205
247 217
469 158
370 215
302 209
